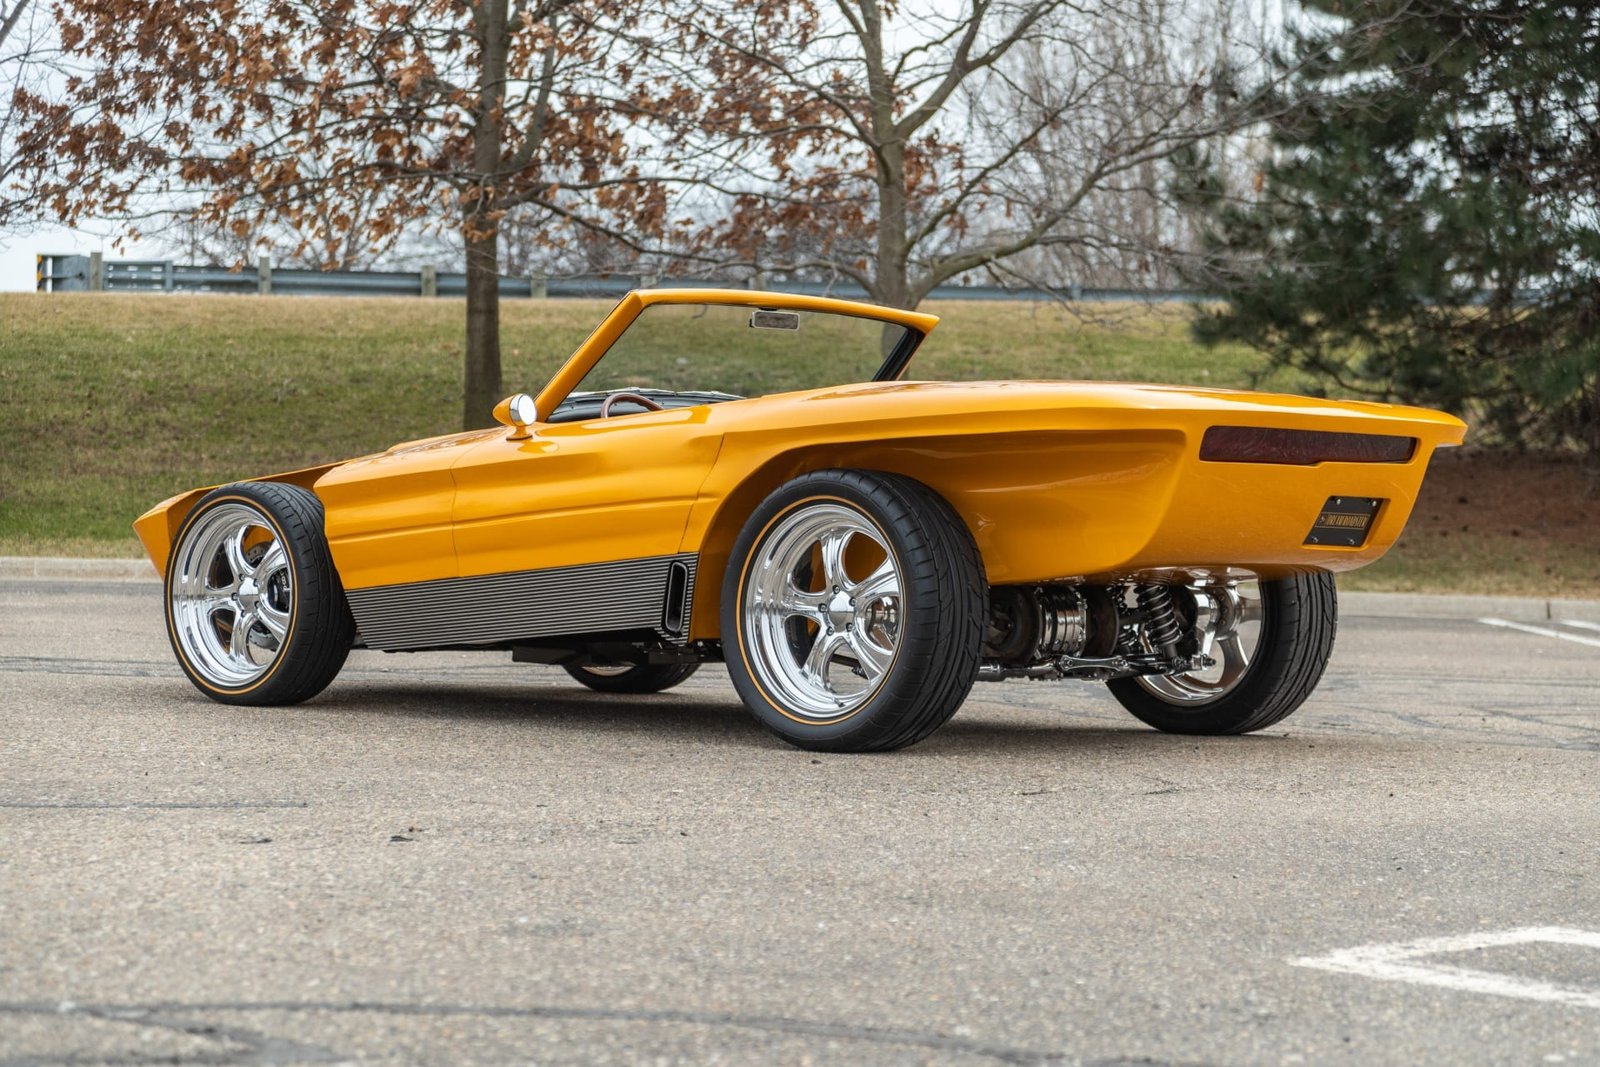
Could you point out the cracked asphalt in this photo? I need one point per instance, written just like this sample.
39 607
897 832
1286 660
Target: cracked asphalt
448 858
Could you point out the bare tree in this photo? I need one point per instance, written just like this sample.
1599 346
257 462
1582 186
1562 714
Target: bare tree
23 56
10 18
903 146
333 233
1123 224
343 123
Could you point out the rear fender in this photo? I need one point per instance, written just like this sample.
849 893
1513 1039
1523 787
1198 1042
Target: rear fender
1031 500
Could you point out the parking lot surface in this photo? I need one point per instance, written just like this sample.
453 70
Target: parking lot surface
448 858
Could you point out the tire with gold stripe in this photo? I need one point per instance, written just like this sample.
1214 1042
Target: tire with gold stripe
853 610
255 611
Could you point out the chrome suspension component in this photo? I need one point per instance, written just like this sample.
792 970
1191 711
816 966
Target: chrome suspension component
1161 625
1063 625
1086 632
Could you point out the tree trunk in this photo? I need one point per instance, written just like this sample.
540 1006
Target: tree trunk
890 273
480 226
890 286
483 327
894 287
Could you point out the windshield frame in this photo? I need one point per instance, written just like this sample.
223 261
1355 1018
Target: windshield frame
917 326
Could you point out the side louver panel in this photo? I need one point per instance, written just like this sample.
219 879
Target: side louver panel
634 594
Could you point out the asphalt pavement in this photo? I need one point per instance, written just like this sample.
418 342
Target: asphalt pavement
449 858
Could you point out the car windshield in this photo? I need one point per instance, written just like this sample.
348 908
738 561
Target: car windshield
742 351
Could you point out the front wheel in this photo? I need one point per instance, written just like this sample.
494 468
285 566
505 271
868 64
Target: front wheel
255 611
852 611
1271 640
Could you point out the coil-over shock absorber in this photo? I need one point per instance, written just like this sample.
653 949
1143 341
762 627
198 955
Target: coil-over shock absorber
1160 617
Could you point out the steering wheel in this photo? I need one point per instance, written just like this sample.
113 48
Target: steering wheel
633 398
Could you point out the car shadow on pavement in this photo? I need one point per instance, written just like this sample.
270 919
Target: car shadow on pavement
716 718
1072 736
674 714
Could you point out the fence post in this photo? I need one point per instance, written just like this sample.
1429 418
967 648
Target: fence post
648 281
430 280
538 287
755 281
97 272
264 275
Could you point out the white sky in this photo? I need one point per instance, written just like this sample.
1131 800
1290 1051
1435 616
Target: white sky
18 249
19 245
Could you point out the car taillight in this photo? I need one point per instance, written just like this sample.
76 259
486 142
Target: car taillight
1259 444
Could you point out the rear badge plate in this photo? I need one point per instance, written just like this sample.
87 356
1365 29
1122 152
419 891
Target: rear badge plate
1345 521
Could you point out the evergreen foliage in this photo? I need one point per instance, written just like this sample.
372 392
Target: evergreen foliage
1427 227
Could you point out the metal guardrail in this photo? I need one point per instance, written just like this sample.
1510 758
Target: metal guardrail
92 273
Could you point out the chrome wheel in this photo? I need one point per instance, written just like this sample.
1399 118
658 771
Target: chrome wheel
1228 619
232 593
822 610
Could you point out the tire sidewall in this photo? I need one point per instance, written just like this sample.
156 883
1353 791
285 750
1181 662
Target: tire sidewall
821 487
260 689
1235 710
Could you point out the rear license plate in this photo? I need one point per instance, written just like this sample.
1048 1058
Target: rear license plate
1345 521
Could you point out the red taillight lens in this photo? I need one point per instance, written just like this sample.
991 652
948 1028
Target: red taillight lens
1260 444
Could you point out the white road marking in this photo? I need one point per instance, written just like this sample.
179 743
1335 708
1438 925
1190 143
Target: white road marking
1404 962
1578 622
1543 631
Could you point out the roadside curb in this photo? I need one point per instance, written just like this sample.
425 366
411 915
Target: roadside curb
1351 605
65 567
1447 606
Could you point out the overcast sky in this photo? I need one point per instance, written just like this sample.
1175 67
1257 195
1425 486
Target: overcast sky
17 252
18 249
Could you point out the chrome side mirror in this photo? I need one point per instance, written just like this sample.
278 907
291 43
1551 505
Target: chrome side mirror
518 412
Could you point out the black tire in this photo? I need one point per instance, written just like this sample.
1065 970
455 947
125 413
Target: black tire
319 629
1299 618
639 678
937 614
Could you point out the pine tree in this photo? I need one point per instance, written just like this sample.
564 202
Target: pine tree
1428 225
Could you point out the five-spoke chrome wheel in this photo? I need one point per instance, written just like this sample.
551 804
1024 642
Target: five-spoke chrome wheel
232 594
853 611
823 604
255 610
1228 623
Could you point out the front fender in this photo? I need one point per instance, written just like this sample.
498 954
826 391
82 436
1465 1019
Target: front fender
158 527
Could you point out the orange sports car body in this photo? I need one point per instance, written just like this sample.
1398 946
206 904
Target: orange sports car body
598 526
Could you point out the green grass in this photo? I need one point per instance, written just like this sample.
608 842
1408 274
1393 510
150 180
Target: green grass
109 403
114 402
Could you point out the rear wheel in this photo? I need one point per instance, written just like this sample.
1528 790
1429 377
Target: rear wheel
631 677
852 611
1271 640
255 611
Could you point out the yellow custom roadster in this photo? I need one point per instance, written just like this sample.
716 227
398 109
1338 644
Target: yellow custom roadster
858 548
